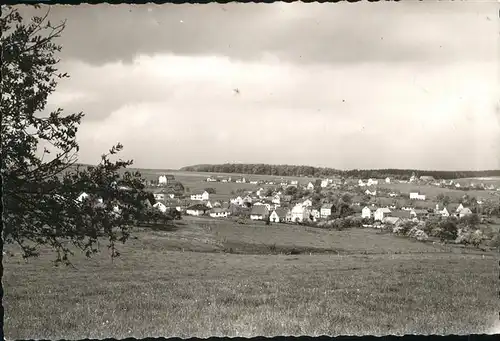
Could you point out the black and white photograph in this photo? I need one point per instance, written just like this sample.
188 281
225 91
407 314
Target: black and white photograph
250 169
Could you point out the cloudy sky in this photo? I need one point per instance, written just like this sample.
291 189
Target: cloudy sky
365 85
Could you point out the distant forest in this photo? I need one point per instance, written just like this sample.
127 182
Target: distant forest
308 171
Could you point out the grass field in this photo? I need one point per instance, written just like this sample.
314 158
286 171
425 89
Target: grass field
432 192
182 283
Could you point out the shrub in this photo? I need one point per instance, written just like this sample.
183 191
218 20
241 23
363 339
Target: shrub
468 237
495 241
448 230
417 234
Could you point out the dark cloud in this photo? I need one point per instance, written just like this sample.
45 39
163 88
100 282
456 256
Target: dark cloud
298 32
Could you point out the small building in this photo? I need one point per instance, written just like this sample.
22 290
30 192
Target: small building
366 212
203 196
381 213
276 199
310 186
402 214
419 213
326 210
372 182
280 215
464 212
160 206
82 197
416 196
392 220
325 183
219 212
368 192
162 180
197 210
237 201
300 213
307 203
259 212
387 180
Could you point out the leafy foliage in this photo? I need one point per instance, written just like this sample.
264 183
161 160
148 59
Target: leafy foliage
41 184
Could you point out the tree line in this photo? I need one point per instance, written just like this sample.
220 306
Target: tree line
309 171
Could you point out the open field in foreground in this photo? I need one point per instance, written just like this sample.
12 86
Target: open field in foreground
342 282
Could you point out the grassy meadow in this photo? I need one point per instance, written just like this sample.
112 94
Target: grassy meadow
209 277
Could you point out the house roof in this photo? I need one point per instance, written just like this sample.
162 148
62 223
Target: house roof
218 210
199 207
259 210
419 211
281 212
327 206
401 214
391 220
385 210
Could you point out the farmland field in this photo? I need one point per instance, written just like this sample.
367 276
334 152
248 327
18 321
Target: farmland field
215 277
433 191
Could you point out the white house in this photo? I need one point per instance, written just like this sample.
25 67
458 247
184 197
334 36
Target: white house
279 215
457 185
392 195
209 204
326 210
255 182
464 212
366 212
160 206
372 182
237 201
299 213
307 203
196 210
310 186
294 182
368 192
162 180
387 180
219 213
276 199
260 192
459 208
361 183
248 199
381 213
417 196
324 183
82 197
203 196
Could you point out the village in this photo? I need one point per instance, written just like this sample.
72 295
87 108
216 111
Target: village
366 202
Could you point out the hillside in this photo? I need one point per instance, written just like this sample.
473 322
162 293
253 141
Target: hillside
294 170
